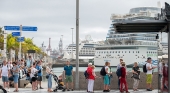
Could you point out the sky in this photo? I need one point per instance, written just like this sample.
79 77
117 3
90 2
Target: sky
56 17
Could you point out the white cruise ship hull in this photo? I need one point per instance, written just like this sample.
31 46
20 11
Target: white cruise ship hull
129 56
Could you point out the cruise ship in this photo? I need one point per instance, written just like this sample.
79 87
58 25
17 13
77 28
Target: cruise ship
86 49
131 47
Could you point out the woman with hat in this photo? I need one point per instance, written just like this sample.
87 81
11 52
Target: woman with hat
49 74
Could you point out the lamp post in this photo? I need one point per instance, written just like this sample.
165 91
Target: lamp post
77 45
72 45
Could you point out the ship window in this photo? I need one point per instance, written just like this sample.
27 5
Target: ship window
122 51
149 52
104 52
129 51
107 52
125 51
116 51
113 51
119 51
110 52
138 51
133 51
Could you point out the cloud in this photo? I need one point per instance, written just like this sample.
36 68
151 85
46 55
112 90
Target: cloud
56 17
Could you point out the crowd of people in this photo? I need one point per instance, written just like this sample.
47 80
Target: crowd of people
11 72
122 73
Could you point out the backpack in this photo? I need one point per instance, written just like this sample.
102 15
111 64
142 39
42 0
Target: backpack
118 72
144 68
86 74
103 72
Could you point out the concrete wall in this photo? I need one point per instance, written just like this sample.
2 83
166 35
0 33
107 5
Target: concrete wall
98 85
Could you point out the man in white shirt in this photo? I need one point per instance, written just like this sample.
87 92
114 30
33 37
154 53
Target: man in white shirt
4 74
149 68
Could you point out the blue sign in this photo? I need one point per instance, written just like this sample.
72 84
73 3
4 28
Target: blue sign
15 33
20 39
17 28
28 28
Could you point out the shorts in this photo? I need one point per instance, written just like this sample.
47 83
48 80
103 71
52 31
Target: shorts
11 78
149 78
33 79
69 78
106 80
39 78
16 77
4 78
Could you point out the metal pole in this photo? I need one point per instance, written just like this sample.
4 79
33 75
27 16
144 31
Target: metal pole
77 44
5 45
20 42
72 43
168 57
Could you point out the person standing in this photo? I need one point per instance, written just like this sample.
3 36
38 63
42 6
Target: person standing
4 74
165 77
149 68
160 69
136 76
68 75
15 71
123 79
39 79
29 62
33 77
118 66
106 77
91 78
49 73
89 69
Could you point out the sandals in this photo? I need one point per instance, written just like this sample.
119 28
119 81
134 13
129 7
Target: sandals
15 91
49 90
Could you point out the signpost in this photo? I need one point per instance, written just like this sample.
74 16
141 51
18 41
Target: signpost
20 28
16 28
24 28
29 28
15 33
20 39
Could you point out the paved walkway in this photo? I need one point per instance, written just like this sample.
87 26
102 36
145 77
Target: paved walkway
28 89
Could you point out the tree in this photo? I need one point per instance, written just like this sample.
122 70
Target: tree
14 45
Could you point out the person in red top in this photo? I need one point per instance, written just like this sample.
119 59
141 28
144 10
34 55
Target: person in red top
165 77
91 78
89 71
123 79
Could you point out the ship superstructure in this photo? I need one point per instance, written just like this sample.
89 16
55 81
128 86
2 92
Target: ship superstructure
131 47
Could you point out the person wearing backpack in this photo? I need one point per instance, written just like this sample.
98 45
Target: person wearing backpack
118 67
87 72
123 79
106 77
149 69
91 78
4 74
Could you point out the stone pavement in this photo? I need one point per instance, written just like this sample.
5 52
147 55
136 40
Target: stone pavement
28 89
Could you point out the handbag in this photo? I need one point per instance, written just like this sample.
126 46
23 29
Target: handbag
136 76
47 76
